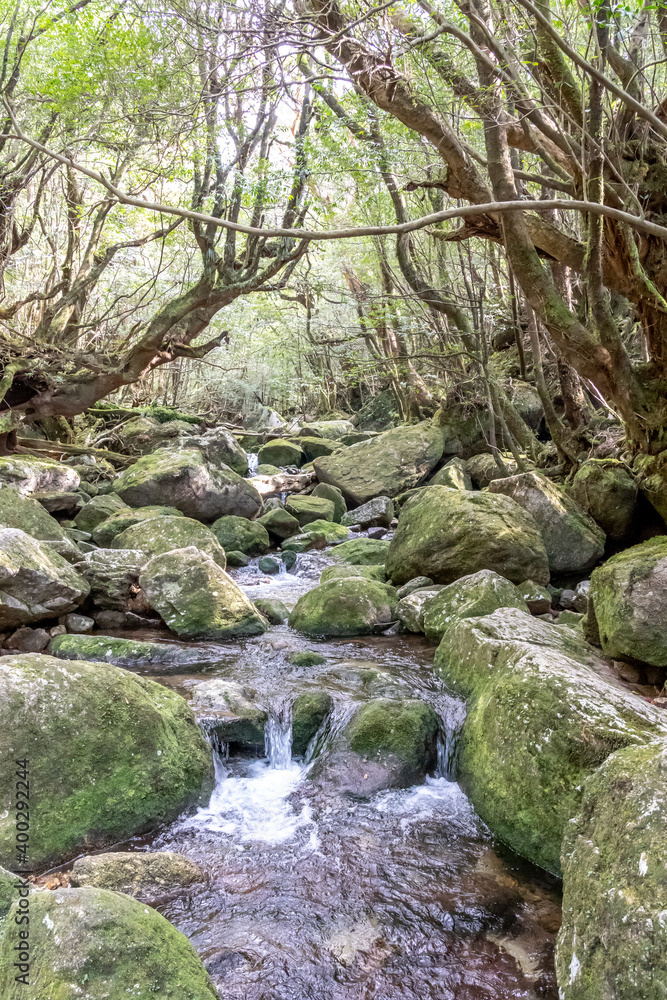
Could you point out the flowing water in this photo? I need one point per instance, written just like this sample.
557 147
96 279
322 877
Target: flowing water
404 896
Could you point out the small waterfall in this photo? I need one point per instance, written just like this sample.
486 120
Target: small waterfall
278 736
253 462
452 714
332 725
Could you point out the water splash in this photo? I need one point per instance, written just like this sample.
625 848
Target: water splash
253 462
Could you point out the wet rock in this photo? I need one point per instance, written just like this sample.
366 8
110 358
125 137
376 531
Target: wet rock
27 474
196 598
340 572
125 948
237 559
26 514
483 469
309 711
115 524
35 582
470 597
268 565
264 469
377 532
386 466
454 474
273 610
77 624
327 492
113 576
418 583
362 552
28 640
607 491
544 711
242 535
288 558
137 874
184 479
306 658
304 542
279 523
231 714
386 744
629 601
160 657
307 509
411 608
164 534
136 738
98 509
538 599
333 533
340 607
573 541
614 860
107 620
281 453
376 513
446 534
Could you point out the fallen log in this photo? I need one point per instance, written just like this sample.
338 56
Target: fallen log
39 446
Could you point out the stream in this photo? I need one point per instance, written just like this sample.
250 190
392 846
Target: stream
402 897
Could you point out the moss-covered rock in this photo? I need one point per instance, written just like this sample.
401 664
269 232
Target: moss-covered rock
281 453
607 491
537 598
454 474
386 466
273 610
331 531
574 542
327 492
445 534
196 598
306 658
28 474
362 552
106 531
231 713
268 564
159 657
309 711
264 469
111 753
112 576
242 535
543 713
651 472
279 523
182 478
417 583
135 873
340 572
629 598
98 509
164 534
470 596
351 606
35 582
483 469
102 945
220 448
613 940
330 430
307 509
411 608
376 513
28 515
315 447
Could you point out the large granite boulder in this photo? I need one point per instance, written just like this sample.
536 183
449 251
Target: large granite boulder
101 945
279 523
331 430
412 607
28 474
35 582
238 534
134 654
483 469
28 515
348 606
377 513
182 478
112 575
281 452
220 448
628 595
307 509
163 534
196 598
327 492
543 713
606 490
385 466
574 542
445 534
110 753
98 509
116 523
362 552
470 596
613 940
315 447
454 474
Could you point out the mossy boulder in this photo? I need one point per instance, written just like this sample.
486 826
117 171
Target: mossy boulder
385 466
376 513
99 944
220 448
303 543
483 469
28 474
196 598
315 447
279 523
281 453
112 575
98 509
331 531
231 714
135 873
454 474
544 712
264 469
445 534
330 430
608 492
339 607
182 478
28 515
411 608
362 552
309 711
133 654
306 658
35 582
327 492
307 509
629 600
538 599
574 542
613 940
164 534
340 572
115 524
242 535
273 610
471 596
651 472
111 753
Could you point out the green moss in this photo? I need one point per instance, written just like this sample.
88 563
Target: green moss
7 892
273 610
469 597
281 453
106 530
352 606
307 509
607 491
327 492
404 729
156 535
131 653
242 535
306 658
332 532
279 523
362 552
340 572
308 713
